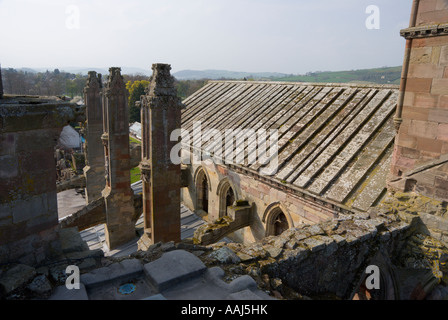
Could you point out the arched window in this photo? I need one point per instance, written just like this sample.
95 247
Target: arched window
202 190
277 220
280 224
227 196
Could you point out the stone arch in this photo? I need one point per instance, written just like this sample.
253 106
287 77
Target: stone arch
277 219
203 187
200 170
227 195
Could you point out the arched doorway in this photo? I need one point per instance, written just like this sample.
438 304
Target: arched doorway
202 191
277 220
227 196
280 224
230 198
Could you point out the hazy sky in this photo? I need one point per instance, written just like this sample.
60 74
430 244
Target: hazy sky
288 36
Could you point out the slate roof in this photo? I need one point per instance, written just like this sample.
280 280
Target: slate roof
335 140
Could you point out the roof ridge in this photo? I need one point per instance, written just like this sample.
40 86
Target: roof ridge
323 84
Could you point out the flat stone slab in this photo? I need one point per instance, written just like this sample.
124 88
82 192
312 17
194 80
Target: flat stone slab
126 269
172 268
62 293
16 277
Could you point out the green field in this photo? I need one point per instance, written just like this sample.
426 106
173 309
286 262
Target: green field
135 174
388 75
132 139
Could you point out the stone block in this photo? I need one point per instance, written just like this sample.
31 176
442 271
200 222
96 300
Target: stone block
430 145
440 86
423 129
71 240
7 144
425 70
124 270
419 55
245 282
225 255
407 141
314 244
62 293
243 295
173 268
28 209
9 167
16 277
427 6
425 100
442 132
432 17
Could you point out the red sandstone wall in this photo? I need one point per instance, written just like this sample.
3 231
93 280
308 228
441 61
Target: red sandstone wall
260 195
432 12
423 135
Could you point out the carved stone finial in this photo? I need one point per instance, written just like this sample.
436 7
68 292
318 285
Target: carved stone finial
115 82
162 82
93 81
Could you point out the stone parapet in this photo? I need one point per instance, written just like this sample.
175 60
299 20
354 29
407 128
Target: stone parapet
29 129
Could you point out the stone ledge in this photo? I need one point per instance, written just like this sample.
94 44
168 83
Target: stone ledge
425 31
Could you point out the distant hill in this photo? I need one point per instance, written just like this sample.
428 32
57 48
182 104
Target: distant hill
84 71
224 74
386 75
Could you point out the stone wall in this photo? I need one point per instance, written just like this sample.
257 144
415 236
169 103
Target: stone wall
261 195
329 260
423 133
29 130
432 12
432 214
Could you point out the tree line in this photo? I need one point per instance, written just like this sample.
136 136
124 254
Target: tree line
60 83
49 83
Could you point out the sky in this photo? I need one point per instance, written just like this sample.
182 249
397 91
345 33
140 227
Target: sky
286 36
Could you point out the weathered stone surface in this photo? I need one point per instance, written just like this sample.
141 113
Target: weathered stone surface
62 293
161 115
125 270
71 241
225 255
173 267
16 277
94 150
40 285
118 195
